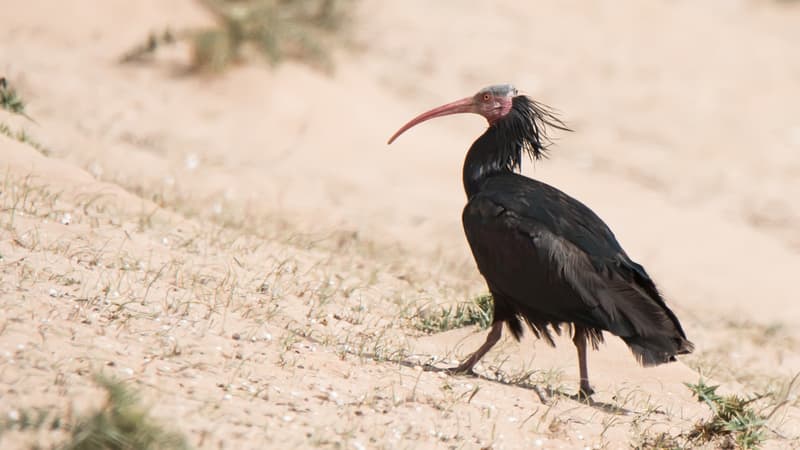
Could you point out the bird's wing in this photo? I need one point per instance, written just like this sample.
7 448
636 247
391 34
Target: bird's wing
555 257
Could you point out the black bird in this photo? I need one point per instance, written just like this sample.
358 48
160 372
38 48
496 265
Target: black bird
548 259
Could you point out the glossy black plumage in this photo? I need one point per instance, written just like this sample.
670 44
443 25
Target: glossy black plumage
548 259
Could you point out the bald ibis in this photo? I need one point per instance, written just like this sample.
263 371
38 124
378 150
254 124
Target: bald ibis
549 261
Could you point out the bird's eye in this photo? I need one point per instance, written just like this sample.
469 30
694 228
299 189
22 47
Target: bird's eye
486 97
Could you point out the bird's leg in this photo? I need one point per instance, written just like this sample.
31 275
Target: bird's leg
580 338
491 339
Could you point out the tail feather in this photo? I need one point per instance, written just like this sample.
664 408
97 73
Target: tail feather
655 350
640 316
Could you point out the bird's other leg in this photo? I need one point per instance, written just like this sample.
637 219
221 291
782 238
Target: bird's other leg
580 340
491 339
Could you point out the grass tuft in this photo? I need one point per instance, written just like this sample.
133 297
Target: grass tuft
478 311
275 29
658 441
122 423
733 420
22 136
11 101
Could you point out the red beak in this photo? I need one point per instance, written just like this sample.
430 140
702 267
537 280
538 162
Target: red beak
465 105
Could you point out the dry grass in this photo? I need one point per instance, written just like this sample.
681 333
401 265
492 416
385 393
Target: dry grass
274 29
10 100
478 312
120 423
238 317
272 304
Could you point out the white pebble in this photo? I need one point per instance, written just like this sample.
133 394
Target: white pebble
66 219
192 161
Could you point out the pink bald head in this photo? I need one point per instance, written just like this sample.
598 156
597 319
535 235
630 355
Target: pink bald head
493 103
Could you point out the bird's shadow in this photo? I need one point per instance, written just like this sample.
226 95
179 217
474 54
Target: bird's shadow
545 394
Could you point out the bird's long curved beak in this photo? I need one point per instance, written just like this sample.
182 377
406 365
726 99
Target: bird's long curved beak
465 105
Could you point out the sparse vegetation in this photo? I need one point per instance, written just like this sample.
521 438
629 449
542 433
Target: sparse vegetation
121 423
658 441
257 326
735 422
13 103
10 100
478 311
733 418
274 29
22 136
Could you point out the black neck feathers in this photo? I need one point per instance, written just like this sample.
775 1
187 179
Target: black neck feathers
500 149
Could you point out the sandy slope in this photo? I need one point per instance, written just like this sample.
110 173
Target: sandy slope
686 142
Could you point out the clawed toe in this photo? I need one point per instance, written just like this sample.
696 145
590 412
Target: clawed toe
585 392
460 370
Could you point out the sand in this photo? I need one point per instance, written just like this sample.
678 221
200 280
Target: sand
246 250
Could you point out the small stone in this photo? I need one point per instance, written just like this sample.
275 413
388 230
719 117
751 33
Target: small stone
236 336
192 161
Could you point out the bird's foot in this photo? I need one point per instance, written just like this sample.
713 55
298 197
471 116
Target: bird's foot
463 369
585 392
